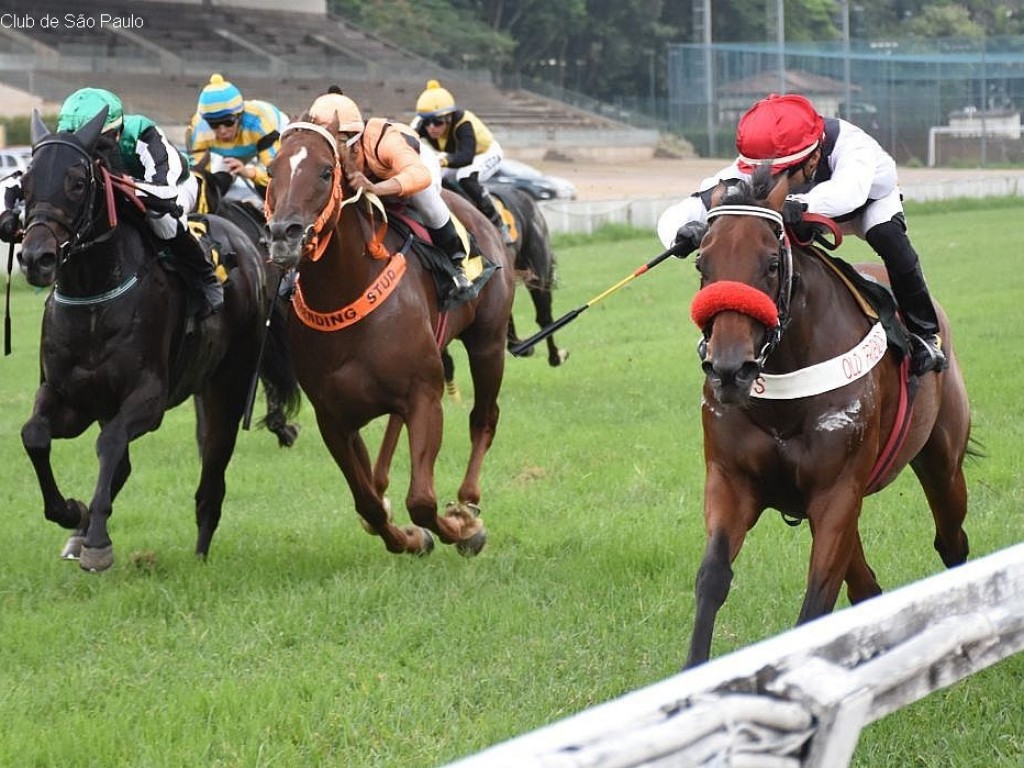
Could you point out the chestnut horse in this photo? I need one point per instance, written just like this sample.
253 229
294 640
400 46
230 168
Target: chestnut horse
366 332
119 346
802 408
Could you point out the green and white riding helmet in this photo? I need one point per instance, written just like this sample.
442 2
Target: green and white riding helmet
84 104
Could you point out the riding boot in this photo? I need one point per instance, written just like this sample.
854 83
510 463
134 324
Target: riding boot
482 199
447 239
197 271
909 288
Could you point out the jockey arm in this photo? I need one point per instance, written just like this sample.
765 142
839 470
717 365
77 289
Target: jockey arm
463 138
695 207
861 170
394 158
162 165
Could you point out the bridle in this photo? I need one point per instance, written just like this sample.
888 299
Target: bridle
732 296
81 227
317 235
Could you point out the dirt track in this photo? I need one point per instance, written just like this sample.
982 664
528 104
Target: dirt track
663 178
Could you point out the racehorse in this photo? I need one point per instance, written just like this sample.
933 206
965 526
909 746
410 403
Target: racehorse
118 345
533 258
365 336
804 407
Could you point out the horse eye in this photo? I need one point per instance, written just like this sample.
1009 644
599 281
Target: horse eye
773 267
326 174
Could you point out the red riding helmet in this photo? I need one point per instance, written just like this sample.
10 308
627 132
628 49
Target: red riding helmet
782 130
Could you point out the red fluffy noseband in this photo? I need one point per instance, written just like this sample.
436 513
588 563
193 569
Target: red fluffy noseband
737 297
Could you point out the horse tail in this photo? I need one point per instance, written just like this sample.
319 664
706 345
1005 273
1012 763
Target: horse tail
279 382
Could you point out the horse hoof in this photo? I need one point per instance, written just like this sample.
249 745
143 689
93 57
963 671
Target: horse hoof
96 559
287 435
428 544
559 358
472 546
73 548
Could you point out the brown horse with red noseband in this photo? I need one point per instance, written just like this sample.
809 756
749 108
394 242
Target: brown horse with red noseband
802 409
366 332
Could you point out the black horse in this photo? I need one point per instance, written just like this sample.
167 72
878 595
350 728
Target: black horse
120 345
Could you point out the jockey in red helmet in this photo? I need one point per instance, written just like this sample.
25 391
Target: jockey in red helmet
838 171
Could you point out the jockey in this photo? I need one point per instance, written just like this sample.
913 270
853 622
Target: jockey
468 152
159 171
246 132
837 170
391 161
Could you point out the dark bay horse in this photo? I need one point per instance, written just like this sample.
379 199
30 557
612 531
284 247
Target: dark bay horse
534 262
116 346
366 335
803 409
533 258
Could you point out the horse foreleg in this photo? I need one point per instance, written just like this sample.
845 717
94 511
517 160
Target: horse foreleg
350 454
728 515
834 541
141 412
861 582
460 525
50 419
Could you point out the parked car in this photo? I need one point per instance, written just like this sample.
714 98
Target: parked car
14 159
540 186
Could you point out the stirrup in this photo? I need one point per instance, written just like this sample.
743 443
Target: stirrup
927 354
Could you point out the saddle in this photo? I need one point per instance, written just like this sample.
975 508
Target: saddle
478 268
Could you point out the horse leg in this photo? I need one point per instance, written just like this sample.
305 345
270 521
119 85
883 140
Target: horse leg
541 297
833 519
449 375
939 469
861 582
221 406
350 454
460 525
728 516
512 339
388 445
50 419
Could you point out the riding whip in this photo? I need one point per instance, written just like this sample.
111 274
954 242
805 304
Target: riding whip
568 317
7 308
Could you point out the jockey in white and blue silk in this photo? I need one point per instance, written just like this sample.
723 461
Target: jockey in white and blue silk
246 132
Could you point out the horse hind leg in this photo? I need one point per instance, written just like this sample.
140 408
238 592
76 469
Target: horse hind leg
542 304
942 478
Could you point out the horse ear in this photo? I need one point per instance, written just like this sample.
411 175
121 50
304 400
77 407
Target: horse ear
89 132
39 131
777 196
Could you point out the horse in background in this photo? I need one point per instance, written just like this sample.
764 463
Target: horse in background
366 331
120 345
236 200
807 409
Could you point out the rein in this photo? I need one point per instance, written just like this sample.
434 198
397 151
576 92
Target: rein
315 241
86 222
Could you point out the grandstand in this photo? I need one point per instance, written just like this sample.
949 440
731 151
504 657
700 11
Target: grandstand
159 64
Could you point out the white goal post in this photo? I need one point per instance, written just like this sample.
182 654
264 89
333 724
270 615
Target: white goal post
809 691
